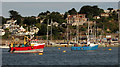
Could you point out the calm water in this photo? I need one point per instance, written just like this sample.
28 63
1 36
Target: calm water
54 56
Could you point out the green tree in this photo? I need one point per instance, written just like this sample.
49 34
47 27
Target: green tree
15 15
110 9
65 15
29 20
3 20
72 11
91 11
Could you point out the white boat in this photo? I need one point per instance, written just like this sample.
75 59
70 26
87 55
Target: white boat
4 46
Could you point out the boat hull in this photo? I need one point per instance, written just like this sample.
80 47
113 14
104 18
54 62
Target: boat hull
85 48
30 49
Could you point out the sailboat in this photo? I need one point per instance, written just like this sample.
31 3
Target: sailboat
88 46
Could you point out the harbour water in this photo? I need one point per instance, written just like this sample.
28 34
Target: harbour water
63 56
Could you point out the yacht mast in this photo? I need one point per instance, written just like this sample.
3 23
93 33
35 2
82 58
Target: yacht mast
88 31
47 31
51 29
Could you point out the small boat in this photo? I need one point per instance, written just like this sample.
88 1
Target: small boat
90 46
4 46
32 47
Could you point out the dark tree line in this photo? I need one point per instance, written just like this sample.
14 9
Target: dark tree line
90 12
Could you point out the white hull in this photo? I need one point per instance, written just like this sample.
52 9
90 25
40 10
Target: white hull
4 46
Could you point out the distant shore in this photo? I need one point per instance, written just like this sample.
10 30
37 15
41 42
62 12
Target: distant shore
7 42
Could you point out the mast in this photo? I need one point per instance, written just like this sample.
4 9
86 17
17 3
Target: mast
47 31
51 29
77 27
119 23
95 30
67 29
88 31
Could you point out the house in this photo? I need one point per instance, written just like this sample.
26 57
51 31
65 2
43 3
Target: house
37 18
106 11
6 26
9 23
104 14
22 29
0 26
35 29
55 24
41 21
108 29
78 19
2 32
13 27
96 17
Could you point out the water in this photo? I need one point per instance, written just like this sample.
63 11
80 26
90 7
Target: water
54 56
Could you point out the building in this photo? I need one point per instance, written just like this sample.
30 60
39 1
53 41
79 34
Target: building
96 17
76 19
55 24
104 14
9 23
2 32
22 29
34 29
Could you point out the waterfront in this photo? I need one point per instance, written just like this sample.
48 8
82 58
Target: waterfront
55 56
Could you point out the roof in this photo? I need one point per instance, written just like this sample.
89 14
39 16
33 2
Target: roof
76 15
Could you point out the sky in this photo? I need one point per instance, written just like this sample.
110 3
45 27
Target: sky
34 8
60 0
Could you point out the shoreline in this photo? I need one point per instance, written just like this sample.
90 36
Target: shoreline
4 46
7 42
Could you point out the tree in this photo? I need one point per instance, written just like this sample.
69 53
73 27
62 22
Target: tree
110 9
15 15
3 20
91 11
65 15
42 29
56 17
29 20
72 11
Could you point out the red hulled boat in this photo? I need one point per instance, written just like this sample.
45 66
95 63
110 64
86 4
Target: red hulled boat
32 46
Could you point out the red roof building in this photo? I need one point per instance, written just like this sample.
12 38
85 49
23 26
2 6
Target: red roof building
78 19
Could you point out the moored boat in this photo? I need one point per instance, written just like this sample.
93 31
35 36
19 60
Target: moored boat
90 46
29 49
30 46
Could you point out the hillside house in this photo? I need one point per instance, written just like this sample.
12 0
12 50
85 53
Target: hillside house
78 19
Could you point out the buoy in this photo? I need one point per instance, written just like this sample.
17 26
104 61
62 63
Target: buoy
110 49
64 51
59 48
40 53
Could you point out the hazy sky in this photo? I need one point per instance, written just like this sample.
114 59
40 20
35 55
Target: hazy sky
60 0
34 8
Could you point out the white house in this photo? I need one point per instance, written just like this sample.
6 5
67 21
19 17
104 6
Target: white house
9 23
2 32
22 29
6 26
55 24
35 29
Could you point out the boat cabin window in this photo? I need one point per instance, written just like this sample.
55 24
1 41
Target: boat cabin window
34 41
